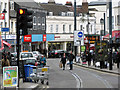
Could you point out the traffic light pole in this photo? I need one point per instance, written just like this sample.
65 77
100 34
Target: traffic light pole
18 47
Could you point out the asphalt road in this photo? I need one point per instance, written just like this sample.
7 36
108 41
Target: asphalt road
79 77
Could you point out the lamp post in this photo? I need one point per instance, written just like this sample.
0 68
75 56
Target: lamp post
4 11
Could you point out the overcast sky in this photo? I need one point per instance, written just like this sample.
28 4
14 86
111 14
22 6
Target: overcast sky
78 2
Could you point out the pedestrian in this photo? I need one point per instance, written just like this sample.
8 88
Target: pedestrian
63 60
71 57
118 59
89 58
9 57
42 61
5 61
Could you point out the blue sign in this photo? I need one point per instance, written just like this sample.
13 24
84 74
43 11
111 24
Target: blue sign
5 29
80 34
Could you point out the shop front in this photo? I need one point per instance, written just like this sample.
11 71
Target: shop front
62 42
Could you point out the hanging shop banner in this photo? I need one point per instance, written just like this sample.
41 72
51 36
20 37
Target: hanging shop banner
10 76
83 48
44 37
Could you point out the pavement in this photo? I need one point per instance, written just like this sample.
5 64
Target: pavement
114 70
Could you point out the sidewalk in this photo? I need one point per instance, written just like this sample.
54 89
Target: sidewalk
114 70
25 85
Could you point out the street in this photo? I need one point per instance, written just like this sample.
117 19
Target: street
79 77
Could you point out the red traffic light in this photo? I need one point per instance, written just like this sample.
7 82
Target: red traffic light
21 11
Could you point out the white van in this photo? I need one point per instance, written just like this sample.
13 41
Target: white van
26 55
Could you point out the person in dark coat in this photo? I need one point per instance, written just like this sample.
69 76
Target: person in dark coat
118 59
71 57
89 59
9 57
63 60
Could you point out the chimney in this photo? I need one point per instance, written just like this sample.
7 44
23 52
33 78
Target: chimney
69 3
84 6
51 2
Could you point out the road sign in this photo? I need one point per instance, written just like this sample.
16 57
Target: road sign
5 29
80 34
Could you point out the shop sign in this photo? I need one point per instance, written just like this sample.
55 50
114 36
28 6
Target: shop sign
83 48
44 37
92 39
10 76
27 38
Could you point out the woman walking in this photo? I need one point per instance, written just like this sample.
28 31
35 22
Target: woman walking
63 60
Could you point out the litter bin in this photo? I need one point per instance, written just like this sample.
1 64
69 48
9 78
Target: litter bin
28 70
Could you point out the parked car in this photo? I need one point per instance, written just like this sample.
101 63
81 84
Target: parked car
37 54
26 55
31 61
57 53
14 56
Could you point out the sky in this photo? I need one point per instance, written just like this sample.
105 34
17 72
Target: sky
78 2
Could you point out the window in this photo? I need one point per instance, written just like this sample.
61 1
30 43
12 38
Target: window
39 19
34 23
5 5
12 5
39 23
51 28
1 6
43 20
87 27
34 19
56 28
70 29
91 28
43 27
11 25
5 24
63 28
1 24
118 19
81 27
112 22
107 22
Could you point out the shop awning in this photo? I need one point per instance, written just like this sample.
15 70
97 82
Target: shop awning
114 34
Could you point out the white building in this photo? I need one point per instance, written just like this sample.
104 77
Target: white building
60 22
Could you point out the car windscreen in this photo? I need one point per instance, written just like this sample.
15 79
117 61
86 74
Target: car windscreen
26 55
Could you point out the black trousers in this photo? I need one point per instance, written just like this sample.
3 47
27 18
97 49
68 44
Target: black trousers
71 65
63 65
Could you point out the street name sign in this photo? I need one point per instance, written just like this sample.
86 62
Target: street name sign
5 29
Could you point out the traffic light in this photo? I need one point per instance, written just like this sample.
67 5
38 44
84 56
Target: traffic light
24 20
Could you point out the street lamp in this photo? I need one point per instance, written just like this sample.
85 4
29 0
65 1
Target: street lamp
101 22
4 11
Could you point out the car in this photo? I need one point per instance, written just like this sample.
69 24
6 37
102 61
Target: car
14 56
30 61
26 55
37 54
57 53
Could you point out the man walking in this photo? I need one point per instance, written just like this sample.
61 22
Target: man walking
71 57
